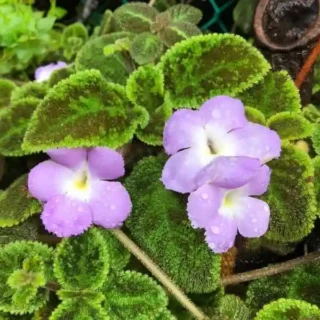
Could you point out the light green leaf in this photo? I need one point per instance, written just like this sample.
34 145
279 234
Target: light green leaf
316 165
243 14
256 116
106 23
208 65
185 13
45 24
33 89
6 87
82 263
83 110
17 204
233 308
172 239
275 93
316 138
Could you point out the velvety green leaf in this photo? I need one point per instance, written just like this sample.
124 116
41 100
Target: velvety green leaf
256 116
208 65
134 17
17 204
82 263
83 110
60 74
34 89
146 48
26 298
78 310
243 14
13 125
288 309
290 126
90 296
134 296
185 13
316 138
316 165
172 239
275 93
165 315
45 24
291 196
8 316
106 23
178 31
115 68
233 308
6 87
311 113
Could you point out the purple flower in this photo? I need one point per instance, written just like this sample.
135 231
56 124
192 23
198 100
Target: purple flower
215 145
221 212
75 195
43 73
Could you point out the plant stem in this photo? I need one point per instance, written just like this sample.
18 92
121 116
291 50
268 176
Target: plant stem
151 3
159 274
270 270
52 286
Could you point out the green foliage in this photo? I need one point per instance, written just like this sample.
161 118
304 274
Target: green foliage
115 67
145 88
16 203
74 37
83 110
106 23
132 295
243 14
290 126
134 17
165 315
13 125
316 138
288 309
146 48
311 113
256 116
275 93
291 196
233 308
25 267
316 165
172 239
82 263
6 87
31 89
60 74
207 65
26 37
27 230
185 13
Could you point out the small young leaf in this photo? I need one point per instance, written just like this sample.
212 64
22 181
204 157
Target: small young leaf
36 90
290 126
274 94
115 68
208 65
106 23
13 125
60 74
6 87
233 308
185 13
90 296
288 309
256 116
243 14
291 196
172 239
79 310
16 203
311 113
146 48
82 263
83 110
134 17
134 296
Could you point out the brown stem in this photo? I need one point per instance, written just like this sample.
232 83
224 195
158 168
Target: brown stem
308 65
52 286
159 274
49 239
270 270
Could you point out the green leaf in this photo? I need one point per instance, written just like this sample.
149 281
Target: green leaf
57 12
288 309
211 65
8 316
134 17
256 116
172 239
146 48
233 308
60 74
83 110
291 196
274 94
6 87
13 126
311 113
106 23
27 298
78 310
27 230
45 24
316 165
290 126
134 296
243 14
17 204
36 90
145 88
115 68
185 13
178 31
82 263
90 296
165 315
316 138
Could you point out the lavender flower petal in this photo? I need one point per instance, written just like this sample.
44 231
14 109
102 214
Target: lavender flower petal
71 158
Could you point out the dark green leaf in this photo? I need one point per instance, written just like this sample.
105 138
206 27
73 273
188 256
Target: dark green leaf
243 14
6 87
233 308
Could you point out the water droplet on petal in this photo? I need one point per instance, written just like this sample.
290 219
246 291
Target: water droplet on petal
267 148
212 245
254 220
266 208
112 207
255 229
80 209
215 229
204 196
